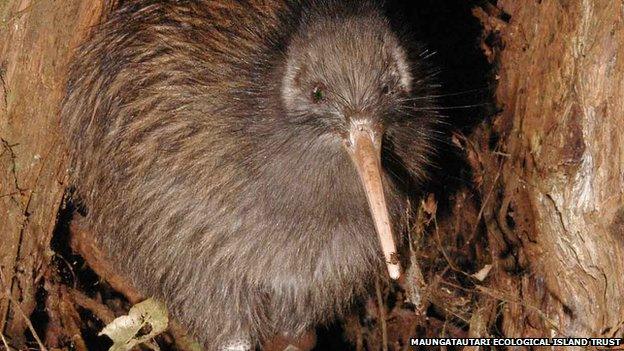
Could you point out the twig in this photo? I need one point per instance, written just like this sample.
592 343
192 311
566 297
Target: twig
446 256
18 308
382 316
487 198
98 309
6 344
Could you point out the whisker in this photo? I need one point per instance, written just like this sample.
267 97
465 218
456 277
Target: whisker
459 93
443 108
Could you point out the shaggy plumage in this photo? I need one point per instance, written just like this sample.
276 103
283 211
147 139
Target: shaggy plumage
214 173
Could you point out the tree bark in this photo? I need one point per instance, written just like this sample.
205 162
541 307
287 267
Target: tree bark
561 152
36 42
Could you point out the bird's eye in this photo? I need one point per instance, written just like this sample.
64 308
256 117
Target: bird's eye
318 94
385 90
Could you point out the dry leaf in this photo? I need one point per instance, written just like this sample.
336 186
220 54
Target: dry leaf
483 273
145 320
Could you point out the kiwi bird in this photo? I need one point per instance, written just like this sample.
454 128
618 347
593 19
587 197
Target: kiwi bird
248 162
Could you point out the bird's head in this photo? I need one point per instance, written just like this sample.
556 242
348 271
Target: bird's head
347 75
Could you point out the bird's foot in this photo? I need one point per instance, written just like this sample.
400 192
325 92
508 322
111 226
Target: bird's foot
237 344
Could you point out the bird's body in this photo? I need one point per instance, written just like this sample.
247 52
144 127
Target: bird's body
212 184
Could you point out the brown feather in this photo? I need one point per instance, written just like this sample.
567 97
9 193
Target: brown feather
243 215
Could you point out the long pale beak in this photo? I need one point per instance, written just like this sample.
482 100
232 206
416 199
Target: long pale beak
364 147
